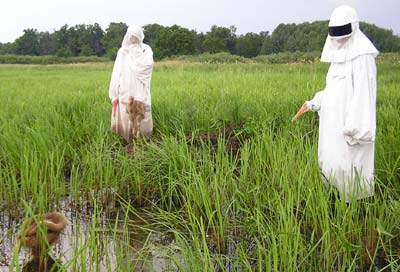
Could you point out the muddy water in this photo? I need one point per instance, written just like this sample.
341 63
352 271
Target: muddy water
79 236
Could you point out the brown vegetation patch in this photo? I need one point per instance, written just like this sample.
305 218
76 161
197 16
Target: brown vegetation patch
232 135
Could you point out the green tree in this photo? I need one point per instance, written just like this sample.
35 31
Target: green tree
307 37
383 39
220 39
61 40
28 43
46 43
249 45
151 32
89 39
7 48
266 47
113 37
199 42
174 41
97 35
72 41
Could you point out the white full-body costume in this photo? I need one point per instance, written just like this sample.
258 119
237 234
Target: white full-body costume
347 110
131 76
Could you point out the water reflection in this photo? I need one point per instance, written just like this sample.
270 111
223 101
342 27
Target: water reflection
46 264
94 240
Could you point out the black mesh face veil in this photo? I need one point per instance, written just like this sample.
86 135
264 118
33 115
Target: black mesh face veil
337 31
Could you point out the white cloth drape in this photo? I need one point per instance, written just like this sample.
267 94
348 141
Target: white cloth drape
347 110
131 76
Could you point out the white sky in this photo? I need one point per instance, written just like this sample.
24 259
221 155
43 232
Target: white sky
246 15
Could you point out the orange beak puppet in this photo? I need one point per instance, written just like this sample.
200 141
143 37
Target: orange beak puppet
302 110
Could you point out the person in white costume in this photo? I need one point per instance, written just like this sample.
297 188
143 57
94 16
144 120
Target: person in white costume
347 108
131 76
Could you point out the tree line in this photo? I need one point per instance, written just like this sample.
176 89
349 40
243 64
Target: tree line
168 41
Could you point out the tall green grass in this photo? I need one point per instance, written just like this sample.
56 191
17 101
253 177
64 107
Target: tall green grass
264 210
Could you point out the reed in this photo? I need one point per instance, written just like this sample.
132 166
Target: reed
251 201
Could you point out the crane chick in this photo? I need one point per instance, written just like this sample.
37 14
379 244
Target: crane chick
135 110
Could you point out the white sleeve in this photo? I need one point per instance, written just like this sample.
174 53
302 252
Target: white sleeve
360 122
144 65
315 103
113 89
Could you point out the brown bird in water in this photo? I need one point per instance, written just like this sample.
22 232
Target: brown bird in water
33 229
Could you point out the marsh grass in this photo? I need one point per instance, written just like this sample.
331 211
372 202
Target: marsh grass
265 209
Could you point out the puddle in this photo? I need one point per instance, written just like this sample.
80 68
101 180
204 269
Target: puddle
100 241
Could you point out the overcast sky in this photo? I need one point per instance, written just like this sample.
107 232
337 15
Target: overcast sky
246 15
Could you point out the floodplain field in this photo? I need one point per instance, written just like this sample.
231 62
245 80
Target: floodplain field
226 183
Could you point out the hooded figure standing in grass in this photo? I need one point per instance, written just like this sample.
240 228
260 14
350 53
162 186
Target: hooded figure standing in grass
131 77
347 108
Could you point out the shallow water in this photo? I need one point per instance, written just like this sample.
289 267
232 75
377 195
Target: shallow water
80 234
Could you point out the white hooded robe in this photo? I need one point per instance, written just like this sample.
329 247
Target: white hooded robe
347 112
131 77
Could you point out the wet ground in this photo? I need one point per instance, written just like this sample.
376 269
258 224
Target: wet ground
79 234
80 215
232 135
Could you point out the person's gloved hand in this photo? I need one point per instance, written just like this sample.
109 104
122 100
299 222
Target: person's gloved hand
114 105
351 141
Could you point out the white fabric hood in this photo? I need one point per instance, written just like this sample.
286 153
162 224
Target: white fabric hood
133 31
132 68
357 43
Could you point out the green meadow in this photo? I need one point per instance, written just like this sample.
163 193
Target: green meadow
193 197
